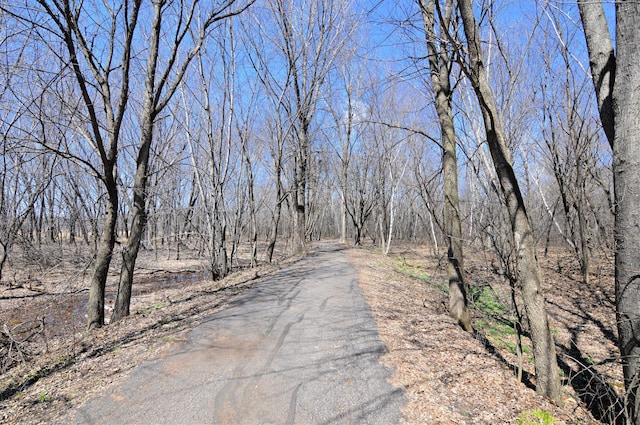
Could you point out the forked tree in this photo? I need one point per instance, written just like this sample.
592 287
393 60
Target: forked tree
176 36
102 78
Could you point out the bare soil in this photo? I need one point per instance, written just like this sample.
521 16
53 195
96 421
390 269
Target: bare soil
50 364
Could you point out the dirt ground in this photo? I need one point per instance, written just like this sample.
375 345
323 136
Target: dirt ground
49 363
454 377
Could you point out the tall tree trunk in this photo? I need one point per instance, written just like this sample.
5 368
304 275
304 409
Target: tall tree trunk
300 181
602 60
616 78
95 307
626 180
344 176
139 209
252 207
273 234
547 377
138 221
440 66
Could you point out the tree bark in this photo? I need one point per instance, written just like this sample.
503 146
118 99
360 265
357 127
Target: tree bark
139 209
547 377
300 182
138 222
616 79
95 307
626 179
602 60
440 70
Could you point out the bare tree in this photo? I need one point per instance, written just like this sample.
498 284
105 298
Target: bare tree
189 27
310 36
343 110
548 379
570 138
277 128
440 65
102 78
616 76
211 154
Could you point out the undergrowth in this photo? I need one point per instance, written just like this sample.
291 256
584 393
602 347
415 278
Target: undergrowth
493 317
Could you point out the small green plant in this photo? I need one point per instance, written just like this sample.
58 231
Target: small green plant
42 397
499 329
536 417
62 359
154 308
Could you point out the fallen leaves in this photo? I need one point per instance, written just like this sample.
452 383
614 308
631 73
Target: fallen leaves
449 375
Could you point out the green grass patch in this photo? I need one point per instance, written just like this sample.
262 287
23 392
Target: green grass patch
483 298
501 335
413 271
536 417
152 308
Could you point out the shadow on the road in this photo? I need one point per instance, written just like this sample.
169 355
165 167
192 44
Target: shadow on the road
302 347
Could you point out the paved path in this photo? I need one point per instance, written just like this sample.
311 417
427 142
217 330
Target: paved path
299 348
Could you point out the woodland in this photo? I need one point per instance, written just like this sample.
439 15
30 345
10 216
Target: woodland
236 133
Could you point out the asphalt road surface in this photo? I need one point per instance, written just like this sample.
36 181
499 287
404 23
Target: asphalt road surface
299 348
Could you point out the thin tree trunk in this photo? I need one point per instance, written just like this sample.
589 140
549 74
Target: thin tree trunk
547 377
387 246
273 235
252 208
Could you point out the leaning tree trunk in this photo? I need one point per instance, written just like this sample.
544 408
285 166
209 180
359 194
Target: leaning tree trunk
626 180
439 67
273 234
139 212
547 377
